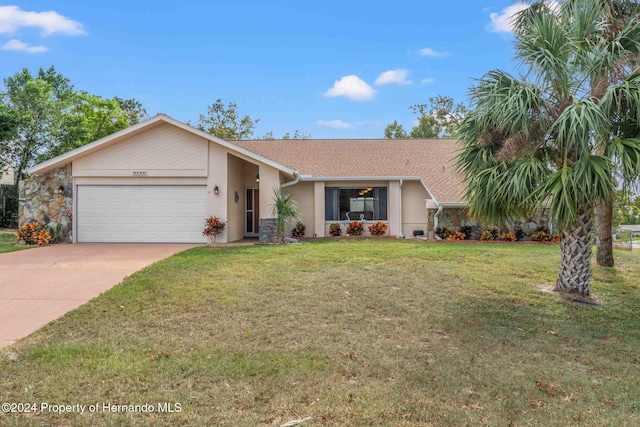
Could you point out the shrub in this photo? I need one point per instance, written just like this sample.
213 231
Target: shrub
486 235
57 235
355 228
456 235
543 235
34 233
299 230
378 229
213 227
542 228
444 233
519 234
466 230
335 230
540 236
508 237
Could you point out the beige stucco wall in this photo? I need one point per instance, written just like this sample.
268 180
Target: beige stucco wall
163 150
241 175
406 200
319 228
269 179
393 205
217 205
414 212
235 182
303 194
6 176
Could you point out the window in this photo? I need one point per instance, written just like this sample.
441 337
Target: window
370 202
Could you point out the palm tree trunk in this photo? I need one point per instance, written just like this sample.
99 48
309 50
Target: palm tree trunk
575 257
604 245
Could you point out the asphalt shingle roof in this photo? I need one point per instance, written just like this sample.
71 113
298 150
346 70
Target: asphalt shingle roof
430 159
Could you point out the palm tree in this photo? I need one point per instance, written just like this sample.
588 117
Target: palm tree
538 139
617 62
285 210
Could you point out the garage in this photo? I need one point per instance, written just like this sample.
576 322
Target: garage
141 213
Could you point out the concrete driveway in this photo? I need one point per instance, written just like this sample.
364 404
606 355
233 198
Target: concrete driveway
40 285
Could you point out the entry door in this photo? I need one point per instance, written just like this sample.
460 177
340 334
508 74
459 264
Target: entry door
252 211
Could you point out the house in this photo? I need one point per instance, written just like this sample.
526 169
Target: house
6 176
158 180
633 228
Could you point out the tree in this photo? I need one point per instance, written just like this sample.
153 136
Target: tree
296 135
40 102
534 141
133 109
626 208
48 118
618 63
437 119
225 122
9 125
395 131
89 119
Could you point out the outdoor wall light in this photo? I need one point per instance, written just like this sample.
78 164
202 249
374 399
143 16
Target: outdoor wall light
236 196
258 178
216 190
61 190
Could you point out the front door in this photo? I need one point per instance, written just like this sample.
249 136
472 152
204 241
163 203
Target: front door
252 211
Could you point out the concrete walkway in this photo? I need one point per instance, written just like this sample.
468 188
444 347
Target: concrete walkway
40 285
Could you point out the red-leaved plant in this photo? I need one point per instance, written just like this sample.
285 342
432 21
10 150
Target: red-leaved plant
355 228
378 229
34 233
213 227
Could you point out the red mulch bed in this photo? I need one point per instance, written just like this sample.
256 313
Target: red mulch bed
528 242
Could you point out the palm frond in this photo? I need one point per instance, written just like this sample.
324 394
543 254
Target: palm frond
508 103
587 182
625 153
576 128
284 209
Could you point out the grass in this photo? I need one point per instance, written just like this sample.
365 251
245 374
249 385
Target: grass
8 243
355 333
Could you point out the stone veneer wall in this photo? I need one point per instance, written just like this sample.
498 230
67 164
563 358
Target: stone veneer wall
40 200
267 231
455 218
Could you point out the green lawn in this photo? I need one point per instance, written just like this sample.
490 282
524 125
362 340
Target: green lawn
8 243
349 333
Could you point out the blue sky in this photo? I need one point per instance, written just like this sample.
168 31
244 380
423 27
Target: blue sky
332 69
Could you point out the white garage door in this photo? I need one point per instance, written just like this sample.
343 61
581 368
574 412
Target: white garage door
137 213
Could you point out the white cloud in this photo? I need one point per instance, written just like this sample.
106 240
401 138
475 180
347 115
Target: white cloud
338 124
353 87
430 52
15 44
427 80
503 22
398 76
13 18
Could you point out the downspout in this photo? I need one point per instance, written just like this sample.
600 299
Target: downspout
400 236
435 217
296 175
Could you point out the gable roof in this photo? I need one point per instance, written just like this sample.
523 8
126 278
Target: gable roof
431 160
141 127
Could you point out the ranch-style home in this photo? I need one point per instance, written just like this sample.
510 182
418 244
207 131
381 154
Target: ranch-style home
158 181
